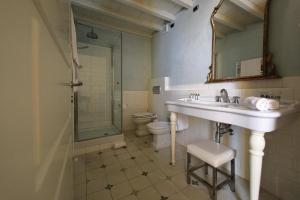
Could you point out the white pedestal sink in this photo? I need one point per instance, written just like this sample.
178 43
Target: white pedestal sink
257 121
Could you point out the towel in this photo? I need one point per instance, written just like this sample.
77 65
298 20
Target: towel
74 41
261 104
74 52
182 122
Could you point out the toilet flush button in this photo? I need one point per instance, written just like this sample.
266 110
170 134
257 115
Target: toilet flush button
156 89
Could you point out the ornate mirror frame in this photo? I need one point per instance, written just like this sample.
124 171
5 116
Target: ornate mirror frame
268 68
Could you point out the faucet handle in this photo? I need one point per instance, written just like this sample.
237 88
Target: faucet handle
236 99
218 98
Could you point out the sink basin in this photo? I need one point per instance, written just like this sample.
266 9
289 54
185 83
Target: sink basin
207 102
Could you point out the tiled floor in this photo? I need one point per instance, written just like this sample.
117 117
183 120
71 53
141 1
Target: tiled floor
138 172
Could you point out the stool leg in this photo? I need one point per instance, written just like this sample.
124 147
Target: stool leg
206 169
214 185
188 162
232 184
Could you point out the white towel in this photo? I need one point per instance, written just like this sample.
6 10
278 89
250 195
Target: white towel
261 104
182 122
74 41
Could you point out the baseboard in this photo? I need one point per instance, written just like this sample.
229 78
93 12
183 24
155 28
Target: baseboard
99 144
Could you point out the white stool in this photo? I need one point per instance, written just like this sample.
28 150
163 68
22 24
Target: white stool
213 155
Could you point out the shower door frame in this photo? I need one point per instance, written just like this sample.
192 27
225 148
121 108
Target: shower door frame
75 98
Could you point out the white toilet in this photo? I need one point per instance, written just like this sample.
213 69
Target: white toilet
141 120
161 134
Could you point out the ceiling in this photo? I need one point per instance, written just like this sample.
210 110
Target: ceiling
236 15
145 17
142 17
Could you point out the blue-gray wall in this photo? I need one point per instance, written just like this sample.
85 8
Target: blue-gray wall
136 62
184 53
285 36
238 46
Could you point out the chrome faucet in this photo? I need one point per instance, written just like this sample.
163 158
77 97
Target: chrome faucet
223 128
224 96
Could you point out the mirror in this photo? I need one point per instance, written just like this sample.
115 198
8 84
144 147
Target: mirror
240 41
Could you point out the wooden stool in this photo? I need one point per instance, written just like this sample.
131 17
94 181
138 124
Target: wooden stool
213 155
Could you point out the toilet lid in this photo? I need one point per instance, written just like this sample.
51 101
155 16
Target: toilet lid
144 114
159 125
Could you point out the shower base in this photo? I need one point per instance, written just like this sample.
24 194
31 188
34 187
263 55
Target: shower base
97 133
99 144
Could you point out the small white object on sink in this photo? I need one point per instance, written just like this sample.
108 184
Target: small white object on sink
262 104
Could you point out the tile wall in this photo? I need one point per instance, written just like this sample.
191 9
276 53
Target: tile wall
133 102
94 97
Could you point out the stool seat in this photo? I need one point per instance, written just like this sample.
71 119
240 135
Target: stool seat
212 153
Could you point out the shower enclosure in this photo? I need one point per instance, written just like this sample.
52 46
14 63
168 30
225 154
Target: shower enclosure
98 110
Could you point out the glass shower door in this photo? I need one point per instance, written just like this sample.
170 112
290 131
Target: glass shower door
99 100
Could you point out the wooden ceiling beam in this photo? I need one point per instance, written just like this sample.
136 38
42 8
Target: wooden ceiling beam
149 9
249 7
85 20
184 3
108 12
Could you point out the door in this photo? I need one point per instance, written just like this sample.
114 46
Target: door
36 115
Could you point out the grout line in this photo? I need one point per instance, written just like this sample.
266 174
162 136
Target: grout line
143 154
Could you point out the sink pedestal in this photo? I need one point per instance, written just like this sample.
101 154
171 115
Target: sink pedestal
257 146
258 122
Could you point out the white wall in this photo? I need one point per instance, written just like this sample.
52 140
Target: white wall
35 118
136 70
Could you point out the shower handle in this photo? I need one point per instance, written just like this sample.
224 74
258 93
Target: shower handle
72 84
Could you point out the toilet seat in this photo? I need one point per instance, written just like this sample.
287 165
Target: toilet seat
143 115
159 127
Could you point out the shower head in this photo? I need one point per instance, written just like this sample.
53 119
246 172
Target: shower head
92 34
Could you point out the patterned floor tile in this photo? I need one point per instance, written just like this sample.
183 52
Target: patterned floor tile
114 177
139 183
149 194
139 172
103 195
121 190
166 188
133 172
96 185
156 177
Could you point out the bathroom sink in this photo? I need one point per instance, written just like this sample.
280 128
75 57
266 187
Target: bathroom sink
235 114
207 102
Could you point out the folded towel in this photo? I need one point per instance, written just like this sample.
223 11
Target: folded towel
261 104
182 122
